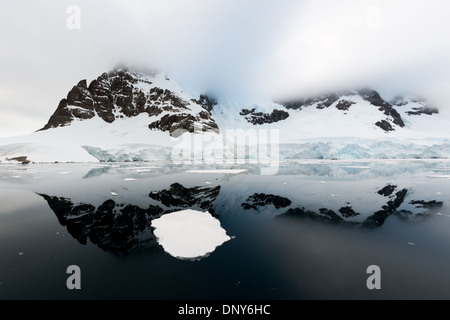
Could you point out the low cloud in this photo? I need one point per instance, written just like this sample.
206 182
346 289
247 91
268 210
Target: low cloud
237 49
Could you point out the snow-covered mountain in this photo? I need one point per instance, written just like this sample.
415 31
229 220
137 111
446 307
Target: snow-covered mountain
125 94
128 115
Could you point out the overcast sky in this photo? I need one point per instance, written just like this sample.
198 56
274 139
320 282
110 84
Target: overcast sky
239 49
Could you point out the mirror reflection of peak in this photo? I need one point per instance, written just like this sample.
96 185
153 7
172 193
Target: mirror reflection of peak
124 227
396 203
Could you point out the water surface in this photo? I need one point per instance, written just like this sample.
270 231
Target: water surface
309 232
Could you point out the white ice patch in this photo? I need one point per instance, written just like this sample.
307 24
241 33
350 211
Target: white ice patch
189 234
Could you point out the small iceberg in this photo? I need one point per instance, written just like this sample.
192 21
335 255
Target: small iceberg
223 171
189 234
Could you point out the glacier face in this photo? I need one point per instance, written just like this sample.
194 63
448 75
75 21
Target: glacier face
353 149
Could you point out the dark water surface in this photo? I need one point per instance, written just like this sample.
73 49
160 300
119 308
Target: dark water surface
309 232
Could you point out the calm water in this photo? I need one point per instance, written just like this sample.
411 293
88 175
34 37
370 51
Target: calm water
309 232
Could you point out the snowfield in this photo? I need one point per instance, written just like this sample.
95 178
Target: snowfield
96 140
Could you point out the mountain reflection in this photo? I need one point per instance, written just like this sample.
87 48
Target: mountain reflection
394 199
121 227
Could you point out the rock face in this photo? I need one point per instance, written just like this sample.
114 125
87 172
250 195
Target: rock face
124 93
255 118
375 99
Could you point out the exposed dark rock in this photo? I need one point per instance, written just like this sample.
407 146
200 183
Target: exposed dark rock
166 97
103 100
323 101
261 199
18 159
375 99
387 190
427 204
178 123
385 125
348 212
206 102
344 104
424 108
261 118
78 104
181 197
378 218
324 215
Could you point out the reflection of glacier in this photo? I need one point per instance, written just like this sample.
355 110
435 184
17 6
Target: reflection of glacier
121 227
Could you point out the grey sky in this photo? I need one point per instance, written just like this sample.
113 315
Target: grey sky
241 49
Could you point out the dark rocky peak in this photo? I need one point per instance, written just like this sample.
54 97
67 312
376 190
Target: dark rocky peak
206 102
375 99
125 92
322 101
342 102
255 118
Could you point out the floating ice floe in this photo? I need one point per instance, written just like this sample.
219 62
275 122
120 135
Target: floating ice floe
113 193
130 179
189 234
233 171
